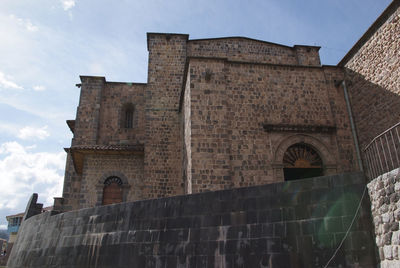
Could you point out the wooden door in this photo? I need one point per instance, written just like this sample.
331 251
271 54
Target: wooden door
112 194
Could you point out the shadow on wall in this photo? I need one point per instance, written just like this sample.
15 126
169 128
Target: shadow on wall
375 108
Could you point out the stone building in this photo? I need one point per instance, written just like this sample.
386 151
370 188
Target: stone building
220 114
214 114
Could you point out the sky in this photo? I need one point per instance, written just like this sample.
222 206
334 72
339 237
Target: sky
46 44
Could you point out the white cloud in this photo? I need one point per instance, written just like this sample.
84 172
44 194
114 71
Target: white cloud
23 173
26 23
3 227
39 88
33 133
5 81
68 4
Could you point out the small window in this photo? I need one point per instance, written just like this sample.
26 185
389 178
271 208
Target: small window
127 115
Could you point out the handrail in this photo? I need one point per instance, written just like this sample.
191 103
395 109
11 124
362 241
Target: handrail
384 132
382 154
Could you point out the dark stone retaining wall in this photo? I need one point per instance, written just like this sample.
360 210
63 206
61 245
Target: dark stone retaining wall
291 224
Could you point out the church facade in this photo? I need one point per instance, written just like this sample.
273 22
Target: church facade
226 113
214 114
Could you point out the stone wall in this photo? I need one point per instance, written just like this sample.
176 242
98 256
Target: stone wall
99 122
114 97
71 188
88 111
250 50
231 102
384 193
200 120
98 119
98 167
291 224
373 76
164 140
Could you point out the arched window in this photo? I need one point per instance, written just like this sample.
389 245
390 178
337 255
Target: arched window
127 115
301 161
112 191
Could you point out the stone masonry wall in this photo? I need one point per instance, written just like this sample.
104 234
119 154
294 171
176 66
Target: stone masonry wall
100 166
98 122
384 193
114 97
71 188
88 112
250 50
164 140
373 75
241 152
291 224
230 103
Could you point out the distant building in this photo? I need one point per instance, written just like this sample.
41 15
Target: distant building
14 222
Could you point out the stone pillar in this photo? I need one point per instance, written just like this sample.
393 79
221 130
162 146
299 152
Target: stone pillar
163 147
88 113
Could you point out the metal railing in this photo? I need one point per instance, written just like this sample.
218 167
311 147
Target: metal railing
382 154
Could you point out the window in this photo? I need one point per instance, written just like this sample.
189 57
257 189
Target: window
300 161
127 115
112 191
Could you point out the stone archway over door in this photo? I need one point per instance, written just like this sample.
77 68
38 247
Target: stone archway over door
327 156
301 161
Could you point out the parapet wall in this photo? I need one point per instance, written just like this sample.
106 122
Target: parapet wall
250 50
384 192
291 224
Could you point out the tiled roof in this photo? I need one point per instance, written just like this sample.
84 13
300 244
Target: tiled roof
78 151
115 147
16 215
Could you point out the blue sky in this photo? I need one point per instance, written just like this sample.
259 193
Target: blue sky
46 44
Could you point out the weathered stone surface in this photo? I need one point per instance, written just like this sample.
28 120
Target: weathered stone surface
386 219
230 228
200 121
372 70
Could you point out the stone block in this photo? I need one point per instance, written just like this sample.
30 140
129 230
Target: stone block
333 224
386 217
388 252
387 238
395 238
301 212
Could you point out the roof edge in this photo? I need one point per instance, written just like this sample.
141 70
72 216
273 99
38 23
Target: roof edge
250 39
103 78
92 77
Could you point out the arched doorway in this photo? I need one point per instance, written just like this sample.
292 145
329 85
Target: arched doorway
301 161
112 191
